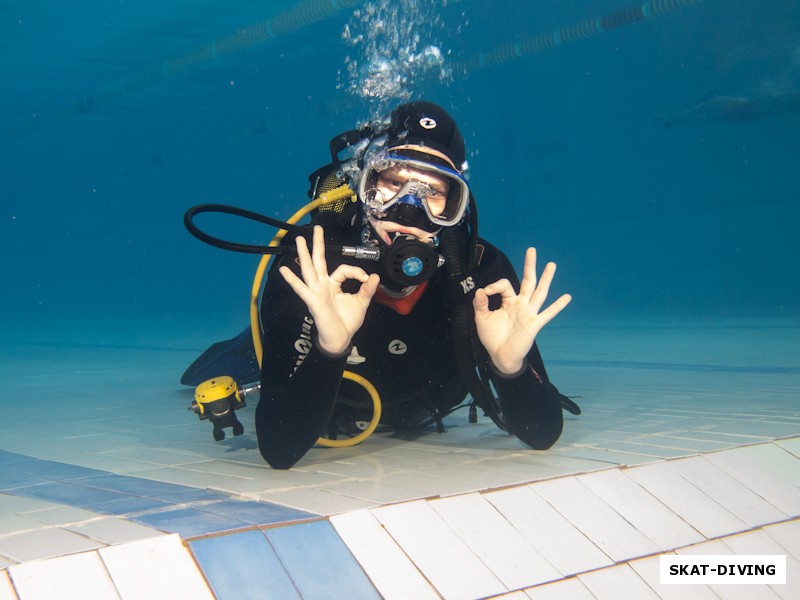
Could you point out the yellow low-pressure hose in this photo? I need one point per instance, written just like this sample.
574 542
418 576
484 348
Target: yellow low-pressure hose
334 195
373 424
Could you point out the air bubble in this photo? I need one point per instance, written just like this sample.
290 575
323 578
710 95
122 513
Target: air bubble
395 51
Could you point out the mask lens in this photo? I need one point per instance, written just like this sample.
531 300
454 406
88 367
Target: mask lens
389 179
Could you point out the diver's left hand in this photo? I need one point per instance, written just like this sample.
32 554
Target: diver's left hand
508 332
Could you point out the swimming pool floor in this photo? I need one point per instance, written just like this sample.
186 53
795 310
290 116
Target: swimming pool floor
689 442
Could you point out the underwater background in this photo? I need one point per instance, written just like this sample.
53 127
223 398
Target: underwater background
628 142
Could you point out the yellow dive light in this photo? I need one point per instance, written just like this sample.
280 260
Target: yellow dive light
216 399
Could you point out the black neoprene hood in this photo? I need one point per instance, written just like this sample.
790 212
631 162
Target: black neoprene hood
427 124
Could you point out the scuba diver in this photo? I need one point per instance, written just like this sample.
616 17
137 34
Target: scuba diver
440 316
736 109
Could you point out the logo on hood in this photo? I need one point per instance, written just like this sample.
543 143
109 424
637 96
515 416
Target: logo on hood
427 123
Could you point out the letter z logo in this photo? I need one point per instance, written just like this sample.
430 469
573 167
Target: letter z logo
398 347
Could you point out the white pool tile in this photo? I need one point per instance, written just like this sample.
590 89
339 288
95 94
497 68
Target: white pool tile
641 509
759 542
727 491
103 462
756 475
360 469
792 445
155 568
617 583
438 552
20 505
269 477
603 455
730 592
566 589
6 589
155 455
114 530
549 459
62 515
618 427
390 464
477 477
509 469
495 541
787 535
44 543
391 571
648 570
768 430
426 484
95 443
76 576
320 502
201 480
549 532
728 440
696 508
644 449
378 492
595 518
773 458
710 547
14 523
232 469
544 465
684 443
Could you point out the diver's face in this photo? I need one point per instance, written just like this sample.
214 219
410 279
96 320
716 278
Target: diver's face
392 180
390 183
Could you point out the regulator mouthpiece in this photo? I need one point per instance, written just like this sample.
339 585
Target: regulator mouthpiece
408 261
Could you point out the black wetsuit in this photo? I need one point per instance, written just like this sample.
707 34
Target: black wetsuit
409 358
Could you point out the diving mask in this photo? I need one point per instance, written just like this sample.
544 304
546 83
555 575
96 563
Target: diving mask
392 181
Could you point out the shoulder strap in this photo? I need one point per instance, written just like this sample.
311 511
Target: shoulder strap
470 356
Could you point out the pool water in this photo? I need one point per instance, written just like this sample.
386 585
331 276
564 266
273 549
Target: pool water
647 149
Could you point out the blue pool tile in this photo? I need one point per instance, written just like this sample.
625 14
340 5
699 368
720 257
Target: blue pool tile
256 513
68 493
124 504
50 469
8 459
188 494
243 565
137 486
319 562
13 479
97 500
189 522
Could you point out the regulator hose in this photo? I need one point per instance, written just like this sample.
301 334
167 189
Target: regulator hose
188 221
272 248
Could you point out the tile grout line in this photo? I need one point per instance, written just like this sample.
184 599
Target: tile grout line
776 442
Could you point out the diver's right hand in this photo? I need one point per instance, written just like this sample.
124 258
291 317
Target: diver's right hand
337 315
